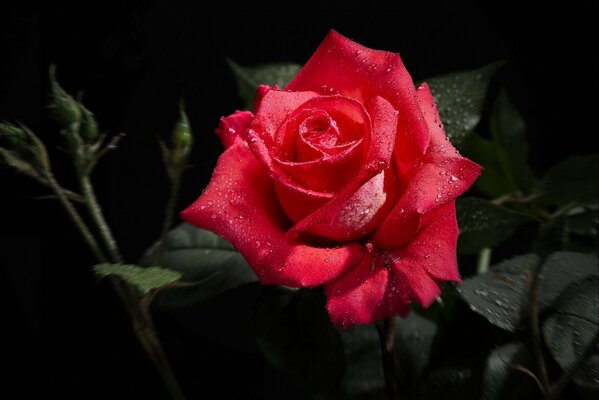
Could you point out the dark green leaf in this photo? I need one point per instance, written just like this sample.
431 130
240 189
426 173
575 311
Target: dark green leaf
296 336
499 295
363 376
460 97
483 224
504 156
562 269
199 254
576 179
573 326
492 181
248 78
143 278
509 133
501 380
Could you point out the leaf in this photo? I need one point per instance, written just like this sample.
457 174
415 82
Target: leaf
576 179
248 78
504 156
500 294
460 97
295 334
483 224
500 378
143 278
364 377
198 255
509 133
573 326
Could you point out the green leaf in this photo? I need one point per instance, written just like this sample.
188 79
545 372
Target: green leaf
483 224
460 97
143 278
501 380
497 294
364 377
576 179
295 335
504 156
500 295
573 326
509 132
198 255
248 78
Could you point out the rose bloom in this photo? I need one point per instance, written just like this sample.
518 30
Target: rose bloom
345 179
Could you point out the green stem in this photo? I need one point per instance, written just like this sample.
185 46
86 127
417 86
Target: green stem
142 320
168 214
146 333
386 330
484 260
95 212
88 237
535 327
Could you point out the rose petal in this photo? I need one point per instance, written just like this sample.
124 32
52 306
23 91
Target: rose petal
383 120
444 176
363 211
239 204
354 299
275 107
344 66
231 128
430 256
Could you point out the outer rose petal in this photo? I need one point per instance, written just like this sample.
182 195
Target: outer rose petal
231 128
365 294
239 204
444 176
362 73
430 256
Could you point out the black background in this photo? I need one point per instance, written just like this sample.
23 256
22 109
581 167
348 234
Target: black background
65 333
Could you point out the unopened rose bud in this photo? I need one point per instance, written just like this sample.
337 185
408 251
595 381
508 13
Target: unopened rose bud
63 108
182 136
89 127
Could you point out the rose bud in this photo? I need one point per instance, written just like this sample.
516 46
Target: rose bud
182 136
63 108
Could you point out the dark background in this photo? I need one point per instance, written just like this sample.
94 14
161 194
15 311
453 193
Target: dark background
65 333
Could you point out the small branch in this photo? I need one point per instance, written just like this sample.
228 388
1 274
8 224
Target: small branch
528 372
386 332
76 218
96 213
537 345
558 387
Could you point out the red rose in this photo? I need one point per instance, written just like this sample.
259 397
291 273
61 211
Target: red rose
344 179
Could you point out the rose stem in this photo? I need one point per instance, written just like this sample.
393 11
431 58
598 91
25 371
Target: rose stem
142 320
169 213
535 326
96 213
386 330
76 218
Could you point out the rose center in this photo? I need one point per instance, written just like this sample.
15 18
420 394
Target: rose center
320 130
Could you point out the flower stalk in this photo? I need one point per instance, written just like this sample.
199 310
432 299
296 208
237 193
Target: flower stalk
386 331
